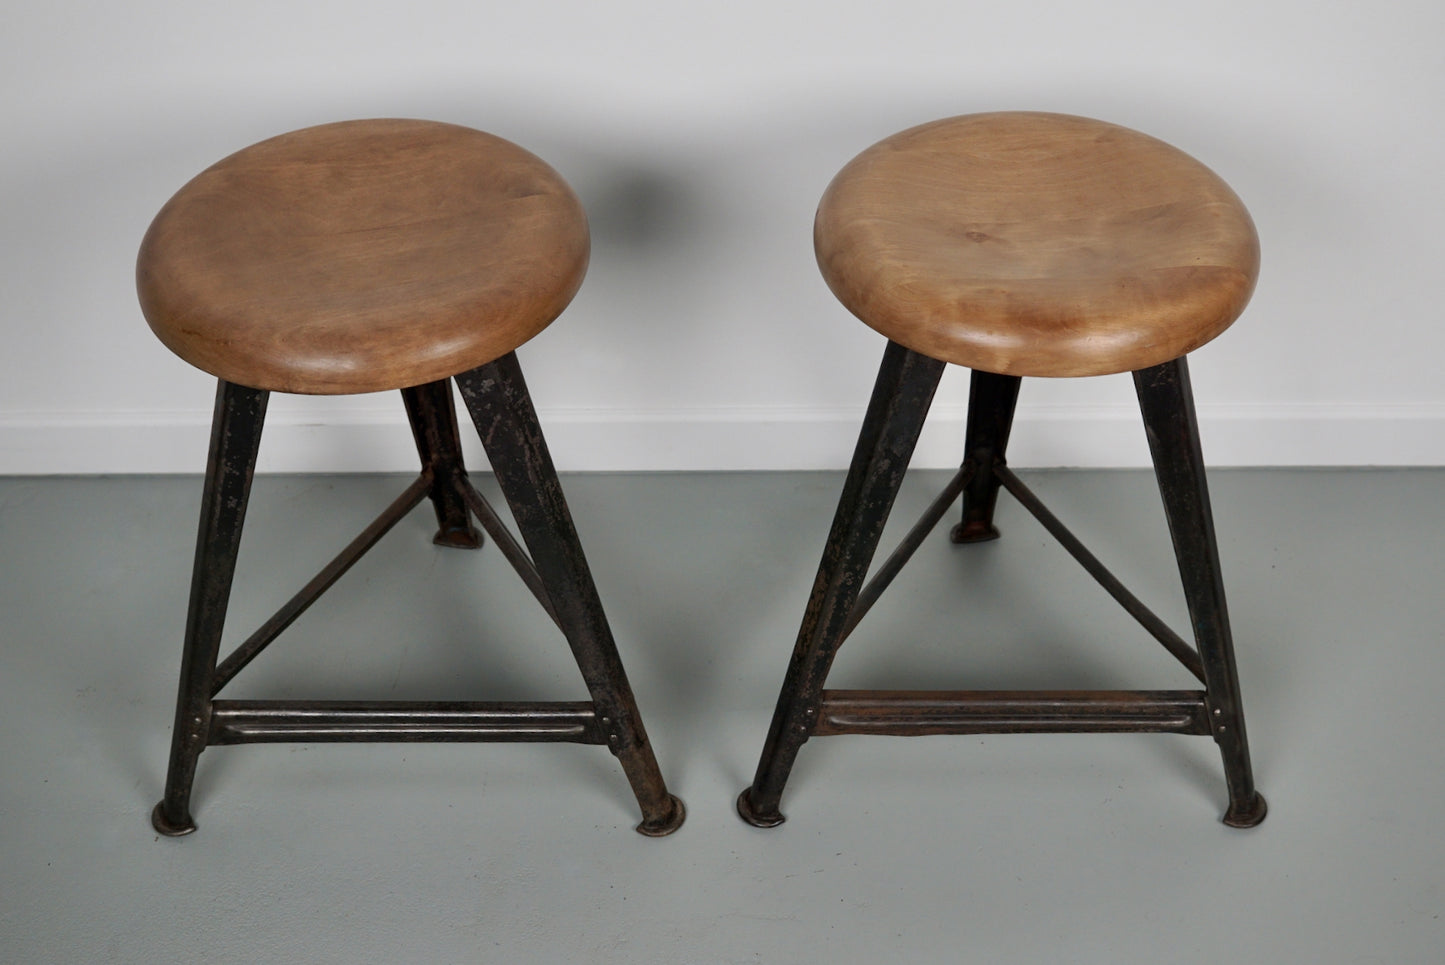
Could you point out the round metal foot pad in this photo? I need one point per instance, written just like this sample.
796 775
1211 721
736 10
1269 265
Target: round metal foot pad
670 823
974 532
756 819
159 822
462 539
1248 815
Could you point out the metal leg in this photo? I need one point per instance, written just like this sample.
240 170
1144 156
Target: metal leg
235 438
991 401
434 425
1167 404
496 396
900 401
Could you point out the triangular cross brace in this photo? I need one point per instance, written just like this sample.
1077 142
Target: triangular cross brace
910 543
357 548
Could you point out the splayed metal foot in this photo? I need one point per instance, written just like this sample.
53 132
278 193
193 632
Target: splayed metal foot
170 829
757 819
669 823
1247 815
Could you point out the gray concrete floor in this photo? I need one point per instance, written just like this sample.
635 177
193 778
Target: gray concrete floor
996 849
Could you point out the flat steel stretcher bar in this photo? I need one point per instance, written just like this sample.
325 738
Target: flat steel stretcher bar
276 721
904 713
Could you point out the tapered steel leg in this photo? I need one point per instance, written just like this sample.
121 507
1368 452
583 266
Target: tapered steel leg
1167 403
900 401
235 438
991 401
496 396
434 425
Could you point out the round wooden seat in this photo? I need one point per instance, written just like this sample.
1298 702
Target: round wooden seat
1036 244
362 256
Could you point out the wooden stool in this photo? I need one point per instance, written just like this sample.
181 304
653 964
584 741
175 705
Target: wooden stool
1022 244
358 257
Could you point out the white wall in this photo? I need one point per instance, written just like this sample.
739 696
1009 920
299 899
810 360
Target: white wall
699 136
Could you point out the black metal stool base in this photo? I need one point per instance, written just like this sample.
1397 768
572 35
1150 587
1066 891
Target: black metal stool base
840 597
552 566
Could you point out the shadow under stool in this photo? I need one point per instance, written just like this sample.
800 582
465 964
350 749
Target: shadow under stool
360 257
1022 244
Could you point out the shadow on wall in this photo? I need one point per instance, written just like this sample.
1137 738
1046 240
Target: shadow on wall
642 211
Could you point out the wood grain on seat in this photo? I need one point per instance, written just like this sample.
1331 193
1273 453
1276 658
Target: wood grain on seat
1036 244
362 256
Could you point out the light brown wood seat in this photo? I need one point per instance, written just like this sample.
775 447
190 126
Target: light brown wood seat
362 256
1036 244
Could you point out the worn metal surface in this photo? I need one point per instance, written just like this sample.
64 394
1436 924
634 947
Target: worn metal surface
1166 400
559 579
901 397
991 402
352 721
496 396
509 547
433 419
903 713
235 440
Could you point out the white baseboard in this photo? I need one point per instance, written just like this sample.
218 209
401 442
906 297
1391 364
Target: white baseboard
729 438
